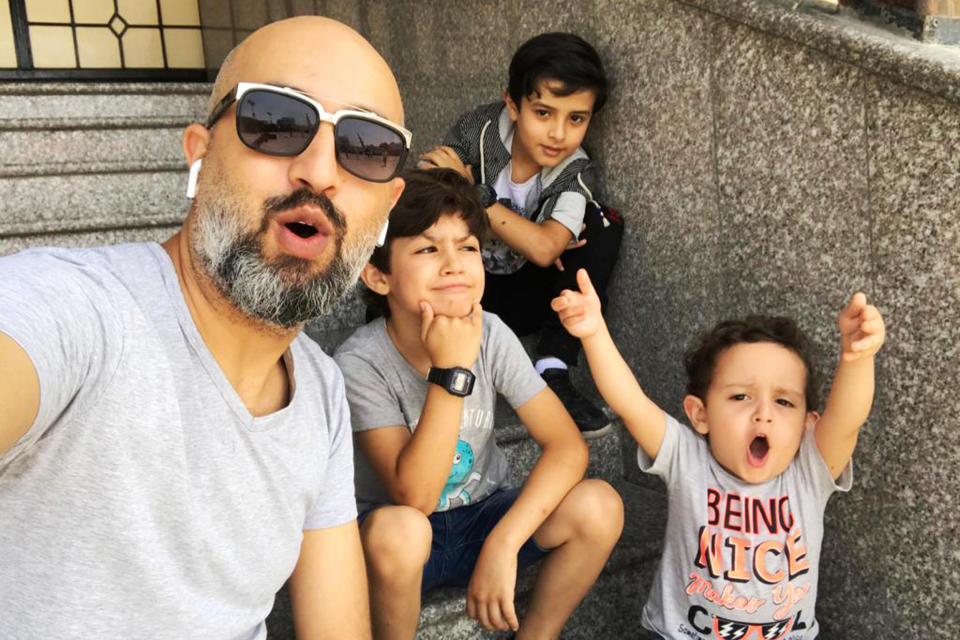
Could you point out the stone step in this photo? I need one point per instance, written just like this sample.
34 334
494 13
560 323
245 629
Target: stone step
134 197
95 147
522 452
58 101
83 158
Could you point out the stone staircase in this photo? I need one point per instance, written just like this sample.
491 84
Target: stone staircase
93 163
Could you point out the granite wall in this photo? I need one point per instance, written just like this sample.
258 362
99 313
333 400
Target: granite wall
771 161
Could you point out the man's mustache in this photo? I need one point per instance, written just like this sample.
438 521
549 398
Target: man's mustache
301 197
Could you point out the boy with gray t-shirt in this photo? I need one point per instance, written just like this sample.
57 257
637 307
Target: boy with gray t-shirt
436 507
746 500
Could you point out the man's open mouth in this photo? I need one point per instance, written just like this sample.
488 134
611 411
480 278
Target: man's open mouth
302 229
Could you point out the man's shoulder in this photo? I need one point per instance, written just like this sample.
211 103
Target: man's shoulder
309 349
110 257
113 271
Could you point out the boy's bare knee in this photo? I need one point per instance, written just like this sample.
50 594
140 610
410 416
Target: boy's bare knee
598 510
396 539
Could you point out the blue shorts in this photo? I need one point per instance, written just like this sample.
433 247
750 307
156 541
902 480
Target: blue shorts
458 537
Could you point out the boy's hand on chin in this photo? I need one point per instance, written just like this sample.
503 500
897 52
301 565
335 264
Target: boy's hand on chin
862 329
579 311
451 341
491 590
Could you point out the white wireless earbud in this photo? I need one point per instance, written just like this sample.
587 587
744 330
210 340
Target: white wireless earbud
382 238
192 178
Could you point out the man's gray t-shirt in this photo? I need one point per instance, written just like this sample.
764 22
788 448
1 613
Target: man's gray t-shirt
385 390
737 553
145 501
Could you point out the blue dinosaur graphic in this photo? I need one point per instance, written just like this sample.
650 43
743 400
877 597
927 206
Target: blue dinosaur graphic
456 492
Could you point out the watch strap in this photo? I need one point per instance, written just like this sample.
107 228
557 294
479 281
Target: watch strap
456 380
486 193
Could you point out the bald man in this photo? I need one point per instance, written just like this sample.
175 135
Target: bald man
172 448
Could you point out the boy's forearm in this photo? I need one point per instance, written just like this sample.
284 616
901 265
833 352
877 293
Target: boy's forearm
423 465
851 395
533 240
560 467
620 389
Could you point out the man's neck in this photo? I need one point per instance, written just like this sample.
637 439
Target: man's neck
249 352
404 332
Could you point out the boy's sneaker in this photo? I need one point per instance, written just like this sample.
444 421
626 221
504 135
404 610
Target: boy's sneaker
591 421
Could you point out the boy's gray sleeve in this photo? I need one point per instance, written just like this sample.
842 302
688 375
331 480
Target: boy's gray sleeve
571 203
569 211
816 472
512 372
373 401
678 454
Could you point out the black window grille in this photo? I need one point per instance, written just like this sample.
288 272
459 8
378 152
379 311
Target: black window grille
127 64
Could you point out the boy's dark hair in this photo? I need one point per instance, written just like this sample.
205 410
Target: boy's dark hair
564 57
428 195
701 360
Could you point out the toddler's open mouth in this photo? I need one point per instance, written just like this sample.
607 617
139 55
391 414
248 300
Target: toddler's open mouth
758 450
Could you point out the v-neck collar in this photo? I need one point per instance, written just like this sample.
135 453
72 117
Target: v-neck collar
209 362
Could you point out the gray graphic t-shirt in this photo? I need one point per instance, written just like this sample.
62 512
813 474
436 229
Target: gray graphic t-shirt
383 390
737 557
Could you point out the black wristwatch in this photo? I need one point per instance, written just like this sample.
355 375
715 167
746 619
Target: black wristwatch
457 380
486 193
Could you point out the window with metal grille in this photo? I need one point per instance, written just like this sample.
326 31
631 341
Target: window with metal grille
101 40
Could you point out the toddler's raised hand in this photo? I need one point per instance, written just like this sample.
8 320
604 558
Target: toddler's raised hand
451 341
579 311
861 328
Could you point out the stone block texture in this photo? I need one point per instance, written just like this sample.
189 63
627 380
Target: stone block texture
764 161
87 164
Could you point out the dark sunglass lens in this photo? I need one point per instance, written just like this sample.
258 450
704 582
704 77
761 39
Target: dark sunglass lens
368 149
275 123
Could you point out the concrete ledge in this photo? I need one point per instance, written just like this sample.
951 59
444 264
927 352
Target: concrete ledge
848 37
47 169
90 88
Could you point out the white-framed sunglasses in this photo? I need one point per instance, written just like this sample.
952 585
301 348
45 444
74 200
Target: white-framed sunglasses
280 121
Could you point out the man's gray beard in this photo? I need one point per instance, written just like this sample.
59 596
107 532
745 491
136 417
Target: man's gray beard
283 292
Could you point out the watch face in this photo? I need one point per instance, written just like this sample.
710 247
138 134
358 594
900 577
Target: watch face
460 381
487 194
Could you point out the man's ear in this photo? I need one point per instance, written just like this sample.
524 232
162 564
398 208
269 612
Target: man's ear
397 186
812 419
374 279
696 413
512 107
196 138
